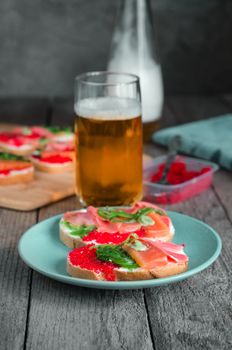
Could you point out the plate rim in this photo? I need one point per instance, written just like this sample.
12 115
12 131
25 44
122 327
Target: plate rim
138 284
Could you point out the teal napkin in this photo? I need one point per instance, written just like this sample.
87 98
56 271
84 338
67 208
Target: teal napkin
209 139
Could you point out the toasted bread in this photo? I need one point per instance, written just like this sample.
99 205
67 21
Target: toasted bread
123 274
53 168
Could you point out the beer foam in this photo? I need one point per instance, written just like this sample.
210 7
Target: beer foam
108 108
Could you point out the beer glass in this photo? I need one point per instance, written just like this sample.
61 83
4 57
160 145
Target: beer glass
108 132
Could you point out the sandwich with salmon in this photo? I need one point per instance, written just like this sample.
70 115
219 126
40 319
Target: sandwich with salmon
114 225
56 133
134 259
15 169
61 134
57 156
18 144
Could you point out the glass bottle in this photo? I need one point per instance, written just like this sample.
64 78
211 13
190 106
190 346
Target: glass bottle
133 51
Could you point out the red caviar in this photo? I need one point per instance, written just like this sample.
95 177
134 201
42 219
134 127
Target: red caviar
86 258
178 173
54 159
8 171
110 238
11 139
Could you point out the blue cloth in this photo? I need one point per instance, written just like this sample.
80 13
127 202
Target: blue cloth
209 139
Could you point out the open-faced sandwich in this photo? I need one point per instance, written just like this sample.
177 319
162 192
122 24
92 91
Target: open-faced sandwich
61 134
51 160
114 225
56 133
56 156
15 169
18 144
134 259
25 140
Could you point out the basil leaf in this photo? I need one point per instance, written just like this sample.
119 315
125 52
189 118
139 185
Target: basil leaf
114 215
160 212
43 141
116 255
26 131
57 129
146 220
80 231
139 246
143 211
8 156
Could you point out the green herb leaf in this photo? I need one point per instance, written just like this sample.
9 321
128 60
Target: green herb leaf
8 156
57 129
116 255
146 220
138 245
114 215
43 141
143 211
80 231
160 212
26 131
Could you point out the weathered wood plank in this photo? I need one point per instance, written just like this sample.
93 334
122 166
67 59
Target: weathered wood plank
14 279
196 314
15 276
63 316
223 188
184 109
26 111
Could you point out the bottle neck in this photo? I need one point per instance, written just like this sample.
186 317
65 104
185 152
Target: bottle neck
131 12
134 29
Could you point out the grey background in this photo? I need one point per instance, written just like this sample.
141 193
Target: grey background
45 43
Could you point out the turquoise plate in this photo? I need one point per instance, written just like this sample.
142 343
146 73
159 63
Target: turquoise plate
41 249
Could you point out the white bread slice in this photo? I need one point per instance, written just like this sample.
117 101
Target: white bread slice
69 240
123 274
52 168
18 176
25 150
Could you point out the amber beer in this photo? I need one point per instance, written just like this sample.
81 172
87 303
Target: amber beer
109 151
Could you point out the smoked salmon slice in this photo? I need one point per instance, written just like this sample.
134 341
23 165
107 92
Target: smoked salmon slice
156 254
78 218
13 165
112 227
149 258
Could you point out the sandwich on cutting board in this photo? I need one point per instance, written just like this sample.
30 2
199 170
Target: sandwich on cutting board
15 169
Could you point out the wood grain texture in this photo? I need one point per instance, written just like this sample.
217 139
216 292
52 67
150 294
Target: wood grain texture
67 317
223 188
14 279
44 189
197 313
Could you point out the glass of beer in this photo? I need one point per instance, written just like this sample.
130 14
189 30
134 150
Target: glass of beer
108 130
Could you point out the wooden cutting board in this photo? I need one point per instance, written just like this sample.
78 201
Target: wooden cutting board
44 189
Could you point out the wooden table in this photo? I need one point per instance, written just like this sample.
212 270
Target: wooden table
39 313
